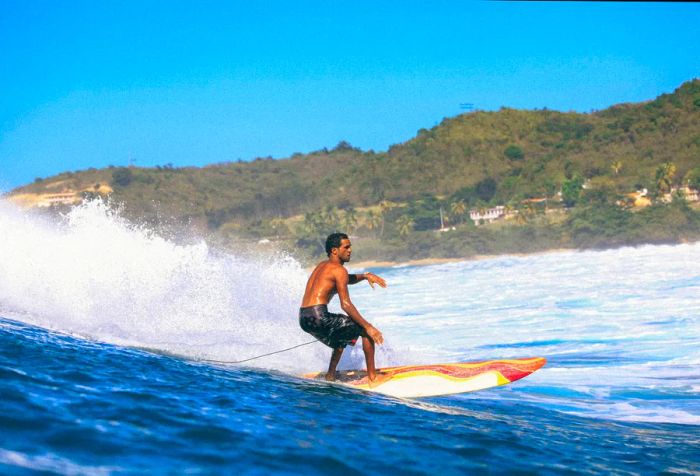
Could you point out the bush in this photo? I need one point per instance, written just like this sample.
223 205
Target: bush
122 177
599 226
693 178
513 152
571 191
486 189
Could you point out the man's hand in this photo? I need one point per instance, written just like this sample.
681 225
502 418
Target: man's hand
373 279
374 334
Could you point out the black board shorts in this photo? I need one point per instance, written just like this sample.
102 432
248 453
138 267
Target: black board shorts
334 330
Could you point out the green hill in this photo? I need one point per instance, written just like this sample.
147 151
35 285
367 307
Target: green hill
478 159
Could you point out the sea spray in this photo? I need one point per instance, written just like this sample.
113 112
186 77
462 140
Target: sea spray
96 275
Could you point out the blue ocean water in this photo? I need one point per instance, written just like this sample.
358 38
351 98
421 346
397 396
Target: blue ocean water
103 325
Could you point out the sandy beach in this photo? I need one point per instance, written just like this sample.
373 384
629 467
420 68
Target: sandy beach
432 261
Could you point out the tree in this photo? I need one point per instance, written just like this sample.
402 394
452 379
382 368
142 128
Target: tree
373 220
343 145
692 178
384 207
664 177
457 209
601 192
330 217
350 220
510 210
122 177
528 212
571 190
513 152
522 215
405 225
486 189
616 166
312 223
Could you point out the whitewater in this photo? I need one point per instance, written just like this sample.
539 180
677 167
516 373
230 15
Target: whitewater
105 326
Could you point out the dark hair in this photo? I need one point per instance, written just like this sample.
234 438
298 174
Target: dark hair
333 241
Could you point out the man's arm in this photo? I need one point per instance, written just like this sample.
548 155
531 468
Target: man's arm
341 284
371 278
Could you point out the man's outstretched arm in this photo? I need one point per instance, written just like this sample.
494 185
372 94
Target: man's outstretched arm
371 278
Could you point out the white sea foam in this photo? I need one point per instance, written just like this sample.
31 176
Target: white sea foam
98 276
629 412
51 463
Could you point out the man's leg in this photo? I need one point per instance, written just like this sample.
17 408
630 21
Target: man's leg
335 358
368 348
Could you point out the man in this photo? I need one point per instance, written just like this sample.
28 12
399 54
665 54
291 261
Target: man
338 330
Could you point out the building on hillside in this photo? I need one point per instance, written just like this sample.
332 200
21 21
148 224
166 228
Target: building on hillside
66 197
488 215
63 198
637 199
535 200
690 194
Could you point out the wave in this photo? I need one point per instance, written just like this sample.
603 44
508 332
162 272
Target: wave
96 275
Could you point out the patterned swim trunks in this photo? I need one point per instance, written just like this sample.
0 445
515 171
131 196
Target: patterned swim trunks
334 330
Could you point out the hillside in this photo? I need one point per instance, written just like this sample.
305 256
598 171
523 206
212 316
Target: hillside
478 159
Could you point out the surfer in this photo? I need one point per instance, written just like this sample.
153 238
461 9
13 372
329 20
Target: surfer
339 330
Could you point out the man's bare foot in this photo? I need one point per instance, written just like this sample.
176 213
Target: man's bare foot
379 378
330 377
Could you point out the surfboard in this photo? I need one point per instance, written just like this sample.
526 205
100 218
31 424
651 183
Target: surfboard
412 381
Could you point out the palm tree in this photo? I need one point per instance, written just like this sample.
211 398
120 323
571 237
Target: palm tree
405 225
616 166
314 227
524 213
664 176
384 206
330 217
310 225
350 220
457 209
372 220
508 209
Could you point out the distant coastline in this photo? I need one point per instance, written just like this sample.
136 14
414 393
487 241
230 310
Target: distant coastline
367 264
478 184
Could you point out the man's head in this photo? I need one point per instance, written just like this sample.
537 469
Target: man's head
341 243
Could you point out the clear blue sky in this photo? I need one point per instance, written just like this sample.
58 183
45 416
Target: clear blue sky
93 83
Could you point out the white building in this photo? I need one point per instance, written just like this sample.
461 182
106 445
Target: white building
488 215
65 198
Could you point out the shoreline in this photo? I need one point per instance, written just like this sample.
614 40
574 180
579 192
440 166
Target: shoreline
433 261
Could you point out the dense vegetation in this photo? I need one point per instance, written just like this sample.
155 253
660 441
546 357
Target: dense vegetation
580 166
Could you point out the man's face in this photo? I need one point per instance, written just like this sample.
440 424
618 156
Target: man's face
344 250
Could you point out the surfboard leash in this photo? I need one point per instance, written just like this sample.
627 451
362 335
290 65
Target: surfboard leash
257 356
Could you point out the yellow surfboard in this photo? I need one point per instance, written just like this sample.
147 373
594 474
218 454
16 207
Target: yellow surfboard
413 381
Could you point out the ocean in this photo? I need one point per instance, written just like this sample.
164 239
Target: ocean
106 326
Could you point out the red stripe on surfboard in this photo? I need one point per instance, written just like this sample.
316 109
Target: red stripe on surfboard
512 370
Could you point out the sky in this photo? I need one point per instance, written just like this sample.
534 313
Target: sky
91 84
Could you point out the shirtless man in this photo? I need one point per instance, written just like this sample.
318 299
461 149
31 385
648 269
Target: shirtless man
338 330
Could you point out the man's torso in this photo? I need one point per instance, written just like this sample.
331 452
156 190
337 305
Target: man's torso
321 286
